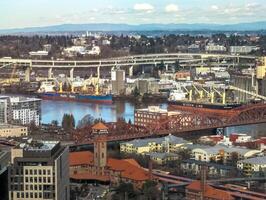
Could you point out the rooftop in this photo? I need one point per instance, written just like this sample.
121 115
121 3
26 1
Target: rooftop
39 145
16 99
217 148
129 167
162 155
210 192
256 160
171 139
99 126
5 126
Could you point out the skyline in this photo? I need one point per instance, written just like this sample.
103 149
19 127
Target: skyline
16 14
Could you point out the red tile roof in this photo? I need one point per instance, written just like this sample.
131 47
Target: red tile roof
129 167
99 126
80 158
128 170
210 192
88 176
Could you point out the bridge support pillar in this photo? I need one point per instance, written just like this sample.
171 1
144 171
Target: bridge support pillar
131 71
72 73
50 73
27 74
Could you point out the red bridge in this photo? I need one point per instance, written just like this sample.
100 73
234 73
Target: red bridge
188 121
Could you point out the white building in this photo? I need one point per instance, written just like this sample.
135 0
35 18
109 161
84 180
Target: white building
251 165
242 49
38 53
211 47
20 110
96 50
75 50
221 152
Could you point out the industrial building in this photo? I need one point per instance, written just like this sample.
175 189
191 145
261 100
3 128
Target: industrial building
39 170
118 81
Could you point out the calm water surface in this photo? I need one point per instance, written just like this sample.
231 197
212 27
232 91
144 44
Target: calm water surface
54 110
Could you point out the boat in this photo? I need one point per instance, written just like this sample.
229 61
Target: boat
86 98
47 91
177 101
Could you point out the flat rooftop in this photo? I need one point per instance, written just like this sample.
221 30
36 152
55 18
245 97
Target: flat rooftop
39 145
7 126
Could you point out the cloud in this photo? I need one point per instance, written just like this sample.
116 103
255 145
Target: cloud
214 7
170 8
144 7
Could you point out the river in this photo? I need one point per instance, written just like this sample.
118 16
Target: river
54 110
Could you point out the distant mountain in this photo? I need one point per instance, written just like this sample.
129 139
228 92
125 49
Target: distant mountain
253 26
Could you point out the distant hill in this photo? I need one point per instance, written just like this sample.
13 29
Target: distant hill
253 26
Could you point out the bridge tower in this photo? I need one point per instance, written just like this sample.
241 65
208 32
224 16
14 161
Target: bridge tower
27 74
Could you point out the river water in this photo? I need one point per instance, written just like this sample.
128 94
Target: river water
54 110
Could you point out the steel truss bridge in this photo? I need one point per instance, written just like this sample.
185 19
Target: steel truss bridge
188 121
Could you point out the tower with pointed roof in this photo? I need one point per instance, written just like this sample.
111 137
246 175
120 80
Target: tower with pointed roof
100 147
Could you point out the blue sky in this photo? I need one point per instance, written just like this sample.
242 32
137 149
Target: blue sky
28 13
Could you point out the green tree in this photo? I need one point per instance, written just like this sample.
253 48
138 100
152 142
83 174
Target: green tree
125 191
150 190
68 122
54 123
161 66
177 66
85 121
136 92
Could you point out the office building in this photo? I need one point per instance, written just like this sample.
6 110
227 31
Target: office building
151 115
39 170
4 101
4 162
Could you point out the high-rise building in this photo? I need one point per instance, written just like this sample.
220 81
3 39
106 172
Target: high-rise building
4 109
118 81
39 170
20 110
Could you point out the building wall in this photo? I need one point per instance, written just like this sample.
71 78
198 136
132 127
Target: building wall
118 82
13 131
62 176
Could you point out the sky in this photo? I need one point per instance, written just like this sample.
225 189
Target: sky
35 13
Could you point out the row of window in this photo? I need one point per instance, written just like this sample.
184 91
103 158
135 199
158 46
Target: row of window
37 172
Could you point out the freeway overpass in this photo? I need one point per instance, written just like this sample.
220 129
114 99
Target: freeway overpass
185 59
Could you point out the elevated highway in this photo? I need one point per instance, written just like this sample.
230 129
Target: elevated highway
146 59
